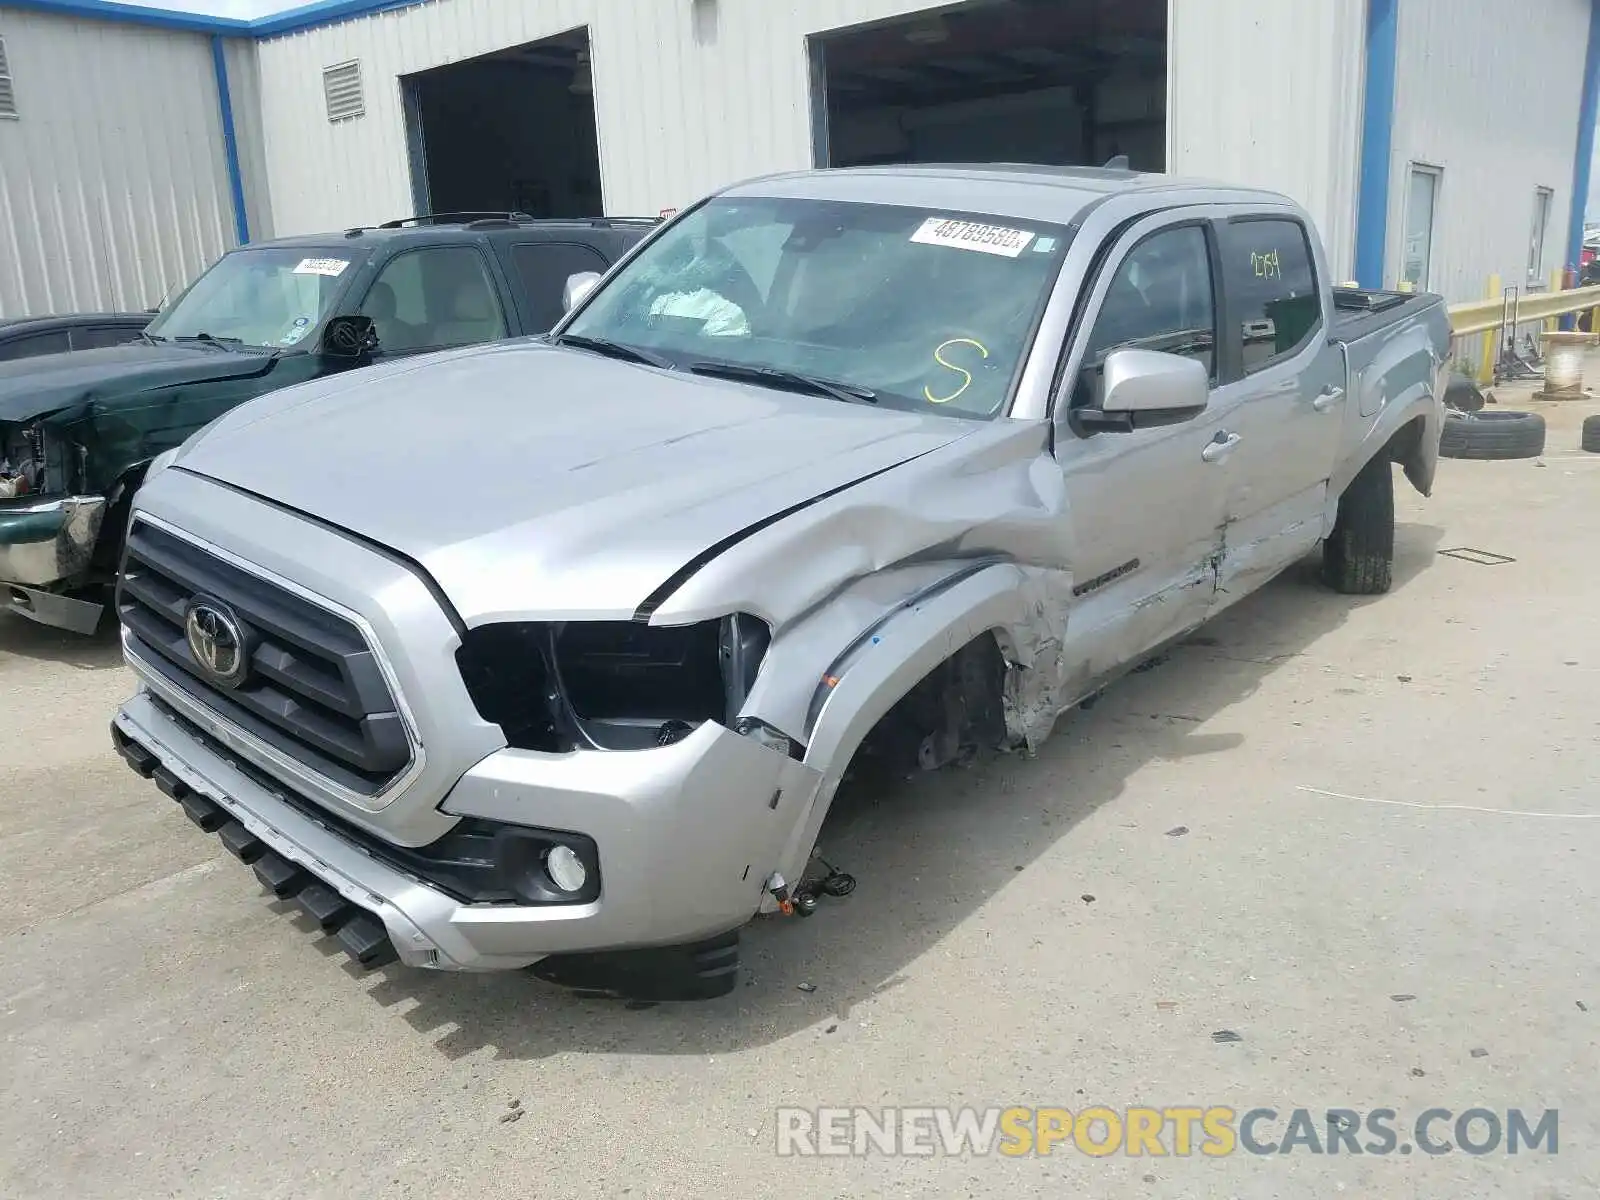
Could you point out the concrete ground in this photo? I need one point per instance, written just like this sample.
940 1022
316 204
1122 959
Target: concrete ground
1386 890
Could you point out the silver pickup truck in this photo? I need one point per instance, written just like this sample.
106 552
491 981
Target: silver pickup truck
553 653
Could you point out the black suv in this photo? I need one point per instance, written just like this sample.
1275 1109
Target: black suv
77 430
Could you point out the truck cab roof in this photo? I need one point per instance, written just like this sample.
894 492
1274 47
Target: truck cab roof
1023 190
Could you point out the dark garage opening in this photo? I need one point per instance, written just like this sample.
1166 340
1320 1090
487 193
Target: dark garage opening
1071 82
512 131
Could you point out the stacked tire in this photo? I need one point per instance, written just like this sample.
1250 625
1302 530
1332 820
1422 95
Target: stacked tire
1497 435
1591 434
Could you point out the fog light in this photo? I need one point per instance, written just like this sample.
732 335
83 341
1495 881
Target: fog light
566 869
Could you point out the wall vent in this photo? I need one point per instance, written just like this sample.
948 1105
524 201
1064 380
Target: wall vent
341 88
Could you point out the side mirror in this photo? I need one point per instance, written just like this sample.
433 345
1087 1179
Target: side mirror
349 337
578 286
1142 388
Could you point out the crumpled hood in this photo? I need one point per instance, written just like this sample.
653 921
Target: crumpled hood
530 479
48 383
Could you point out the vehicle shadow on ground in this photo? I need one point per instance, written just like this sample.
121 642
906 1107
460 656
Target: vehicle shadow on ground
22 638
926 854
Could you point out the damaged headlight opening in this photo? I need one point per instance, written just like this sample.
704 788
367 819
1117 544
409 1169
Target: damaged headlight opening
22 461
612 685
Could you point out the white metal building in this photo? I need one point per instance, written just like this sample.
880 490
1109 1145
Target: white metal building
1436 141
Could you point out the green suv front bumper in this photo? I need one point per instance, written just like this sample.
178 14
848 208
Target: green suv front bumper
45 550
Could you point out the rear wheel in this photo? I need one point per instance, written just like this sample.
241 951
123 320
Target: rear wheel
1358 556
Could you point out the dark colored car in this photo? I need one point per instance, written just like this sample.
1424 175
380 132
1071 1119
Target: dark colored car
78 430
26 337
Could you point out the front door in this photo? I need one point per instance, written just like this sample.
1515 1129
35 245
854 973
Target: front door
1146 506
1287 401
434 298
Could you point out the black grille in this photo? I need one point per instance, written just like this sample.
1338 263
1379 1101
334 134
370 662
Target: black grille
314 690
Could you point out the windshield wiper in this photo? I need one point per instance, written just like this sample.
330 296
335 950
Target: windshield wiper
151 339
627 353
850 393
211 340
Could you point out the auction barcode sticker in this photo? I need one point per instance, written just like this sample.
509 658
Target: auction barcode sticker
969 235
322 266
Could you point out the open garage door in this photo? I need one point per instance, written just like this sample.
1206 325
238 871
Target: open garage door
1071 82
512 131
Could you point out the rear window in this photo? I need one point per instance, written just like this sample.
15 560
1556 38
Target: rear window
34 344
1272 288
543 269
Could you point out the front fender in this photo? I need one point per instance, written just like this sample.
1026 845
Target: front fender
871 674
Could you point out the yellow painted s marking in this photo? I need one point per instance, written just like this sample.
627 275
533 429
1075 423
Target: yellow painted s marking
966 375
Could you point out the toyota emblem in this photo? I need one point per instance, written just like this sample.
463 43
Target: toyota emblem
218 642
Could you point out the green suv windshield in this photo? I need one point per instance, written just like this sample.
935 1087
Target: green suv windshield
908 307
273 297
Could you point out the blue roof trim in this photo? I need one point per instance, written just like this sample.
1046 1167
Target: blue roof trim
325 12
1377 139
307 16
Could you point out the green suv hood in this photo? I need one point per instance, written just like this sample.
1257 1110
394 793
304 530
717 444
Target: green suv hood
53 383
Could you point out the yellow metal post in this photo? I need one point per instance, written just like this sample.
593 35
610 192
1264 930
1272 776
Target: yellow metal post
1490 340
1558 283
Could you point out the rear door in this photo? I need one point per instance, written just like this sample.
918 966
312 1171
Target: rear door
539 271
1284 395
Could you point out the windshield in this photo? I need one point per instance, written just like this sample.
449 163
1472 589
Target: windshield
272 297
920 308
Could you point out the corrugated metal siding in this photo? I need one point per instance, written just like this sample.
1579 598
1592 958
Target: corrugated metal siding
244 82
1489 91
678 114
112 182
1268 93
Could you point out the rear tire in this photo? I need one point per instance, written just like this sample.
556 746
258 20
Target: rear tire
1492 435
1358 556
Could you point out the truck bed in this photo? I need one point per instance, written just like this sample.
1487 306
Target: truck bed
1359 312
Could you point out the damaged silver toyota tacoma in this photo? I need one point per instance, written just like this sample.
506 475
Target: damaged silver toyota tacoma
553 653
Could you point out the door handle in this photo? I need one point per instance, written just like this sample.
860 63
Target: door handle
1327 398
1218 449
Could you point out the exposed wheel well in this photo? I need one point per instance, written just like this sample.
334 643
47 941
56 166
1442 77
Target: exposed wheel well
1407 440
953 711
107 558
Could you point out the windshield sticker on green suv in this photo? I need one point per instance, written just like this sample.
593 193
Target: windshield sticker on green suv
969 235
333 267
301 327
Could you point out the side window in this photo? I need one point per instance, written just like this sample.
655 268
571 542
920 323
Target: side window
35 344
433 298
1161 298
93 337
1272 288
542 271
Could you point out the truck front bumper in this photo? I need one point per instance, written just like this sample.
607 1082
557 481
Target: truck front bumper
44 545
683 852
